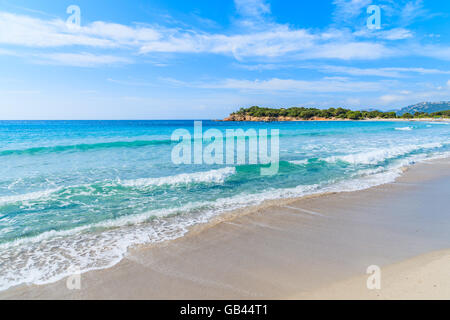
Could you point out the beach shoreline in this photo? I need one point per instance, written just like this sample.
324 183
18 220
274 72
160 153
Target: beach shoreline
205 262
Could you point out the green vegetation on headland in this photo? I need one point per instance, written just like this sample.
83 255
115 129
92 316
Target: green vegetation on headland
291 114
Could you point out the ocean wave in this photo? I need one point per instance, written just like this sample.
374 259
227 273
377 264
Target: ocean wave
375 176
85 147
380 155
372 157
212 176
48 256
439 122
125 144
28 196
404 129
299 162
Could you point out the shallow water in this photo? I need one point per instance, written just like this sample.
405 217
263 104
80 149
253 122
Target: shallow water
80 193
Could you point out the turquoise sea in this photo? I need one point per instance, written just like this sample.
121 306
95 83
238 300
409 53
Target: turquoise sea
79 194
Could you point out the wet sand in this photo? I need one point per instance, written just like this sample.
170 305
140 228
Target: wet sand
314 247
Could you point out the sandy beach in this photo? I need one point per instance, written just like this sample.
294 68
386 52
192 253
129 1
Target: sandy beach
231 151
426 277
317 247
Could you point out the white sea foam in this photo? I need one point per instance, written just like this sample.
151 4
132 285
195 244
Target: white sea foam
27 196
374 156
404 129
299 162
439 122
379 155
47 257
212 176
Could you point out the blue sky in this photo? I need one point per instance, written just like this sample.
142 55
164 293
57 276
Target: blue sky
154 59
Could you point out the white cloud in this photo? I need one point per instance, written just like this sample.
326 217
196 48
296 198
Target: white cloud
269 40
380 72
347 10
418 70
433 51
81 59
278 40
392 72
411 11
273 43
423 92
32 32
252 8
448 83
261 67
300 86
396 34
5 52
389 72
348 51
392 34
324 85
390 98
121 34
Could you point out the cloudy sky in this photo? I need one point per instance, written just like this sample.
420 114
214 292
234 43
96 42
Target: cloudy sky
155 59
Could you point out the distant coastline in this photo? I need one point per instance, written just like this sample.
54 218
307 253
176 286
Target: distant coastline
258 114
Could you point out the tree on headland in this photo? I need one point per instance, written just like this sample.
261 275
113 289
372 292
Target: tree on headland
353 115
407 116
331 113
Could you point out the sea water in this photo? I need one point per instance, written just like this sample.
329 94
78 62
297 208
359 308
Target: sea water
79 194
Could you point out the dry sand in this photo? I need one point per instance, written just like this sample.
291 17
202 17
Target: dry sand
313 248
424 277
